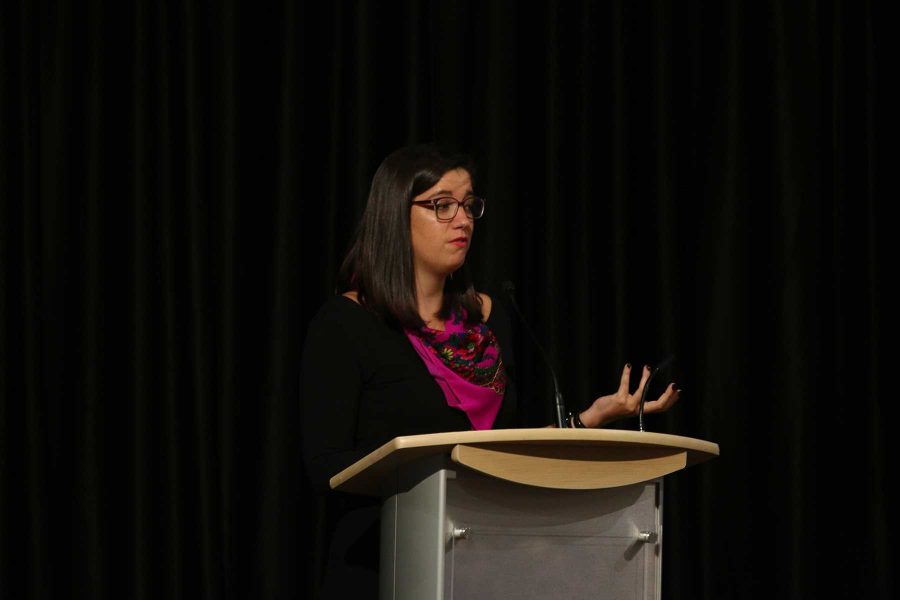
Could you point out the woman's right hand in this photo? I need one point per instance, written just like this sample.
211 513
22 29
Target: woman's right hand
624 403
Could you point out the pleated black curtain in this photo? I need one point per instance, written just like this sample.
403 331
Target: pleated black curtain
179 182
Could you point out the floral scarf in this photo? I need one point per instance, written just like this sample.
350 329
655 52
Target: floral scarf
466 364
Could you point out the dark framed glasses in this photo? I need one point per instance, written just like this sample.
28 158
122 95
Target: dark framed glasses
445 209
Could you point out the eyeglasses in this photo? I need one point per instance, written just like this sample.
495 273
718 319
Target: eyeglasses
445 209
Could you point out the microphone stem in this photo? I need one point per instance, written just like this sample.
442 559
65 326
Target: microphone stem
561 417
562 420
644 398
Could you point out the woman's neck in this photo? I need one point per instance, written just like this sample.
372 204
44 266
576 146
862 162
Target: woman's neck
430 299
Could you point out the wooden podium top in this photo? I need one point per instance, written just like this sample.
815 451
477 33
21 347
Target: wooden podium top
544 457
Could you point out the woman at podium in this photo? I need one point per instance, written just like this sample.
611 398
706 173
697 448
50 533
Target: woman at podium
408 346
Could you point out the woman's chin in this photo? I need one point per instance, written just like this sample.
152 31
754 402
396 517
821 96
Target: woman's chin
455 267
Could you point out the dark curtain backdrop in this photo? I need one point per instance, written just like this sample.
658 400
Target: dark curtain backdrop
179 182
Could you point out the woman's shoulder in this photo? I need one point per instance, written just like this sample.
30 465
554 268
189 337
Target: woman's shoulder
496 317
487 305
341 309
493 306
341 302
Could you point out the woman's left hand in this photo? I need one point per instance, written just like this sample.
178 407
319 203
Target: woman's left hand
623 403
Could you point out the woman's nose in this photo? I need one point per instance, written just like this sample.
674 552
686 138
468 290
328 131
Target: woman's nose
462 216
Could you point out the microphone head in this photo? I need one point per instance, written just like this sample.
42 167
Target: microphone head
508 287
665 362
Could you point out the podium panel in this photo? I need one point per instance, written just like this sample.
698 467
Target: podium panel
545 543
452 533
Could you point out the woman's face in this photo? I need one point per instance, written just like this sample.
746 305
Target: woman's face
439 248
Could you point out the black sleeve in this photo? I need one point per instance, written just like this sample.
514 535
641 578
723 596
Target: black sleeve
330 384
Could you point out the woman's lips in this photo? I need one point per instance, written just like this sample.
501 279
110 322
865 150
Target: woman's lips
460 241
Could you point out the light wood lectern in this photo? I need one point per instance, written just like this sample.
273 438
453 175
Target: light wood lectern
522 513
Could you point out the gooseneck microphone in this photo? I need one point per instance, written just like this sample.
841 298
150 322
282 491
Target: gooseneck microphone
661 365
561 418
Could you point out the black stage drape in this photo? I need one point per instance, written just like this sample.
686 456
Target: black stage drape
179 182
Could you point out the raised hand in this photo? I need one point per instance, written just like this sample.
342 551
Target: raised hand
625 403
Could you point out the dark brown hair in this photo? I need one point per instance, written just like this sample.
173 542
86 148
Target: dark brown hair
379 265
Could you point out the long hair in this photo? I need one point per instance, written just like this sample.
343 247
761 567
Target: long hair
379 265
